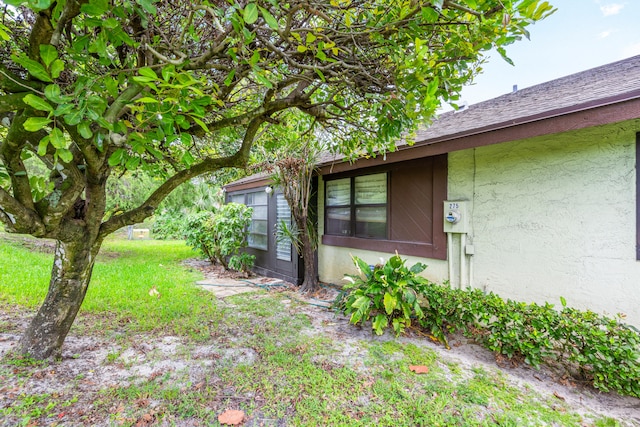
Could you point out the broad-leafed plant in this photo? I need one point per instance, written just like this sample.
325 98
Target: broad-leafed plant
387 294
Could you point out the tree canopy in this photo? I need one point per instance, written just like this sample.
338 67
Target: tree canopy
92 88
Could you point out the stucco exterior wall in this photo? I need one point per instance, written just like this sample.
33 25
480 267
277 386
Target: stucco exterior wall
550 216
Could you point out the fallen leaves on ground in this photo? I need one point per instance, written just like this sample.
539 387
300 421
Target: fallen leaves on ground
231 417
419 369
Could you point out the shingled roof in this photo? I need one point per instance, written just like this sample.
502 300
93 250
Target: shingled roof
604 85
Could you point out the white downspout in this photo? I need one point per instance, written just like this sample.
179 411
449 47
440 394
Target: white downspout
450 257
463 261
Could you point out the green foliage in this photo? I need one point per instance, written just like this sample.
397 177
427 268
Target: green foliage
169 225
99 89
598 349
221 234
191 197
242 262
385 294
197 234
605 351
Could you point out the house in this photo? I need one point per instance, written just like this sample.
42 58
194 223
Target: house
532 195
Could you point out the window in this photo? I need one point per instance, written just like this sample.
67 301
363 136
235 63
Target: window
361 212
392 207
237 198
283 214
258 234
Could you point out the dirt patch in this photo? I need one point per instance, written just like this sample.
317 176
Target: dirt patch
213 271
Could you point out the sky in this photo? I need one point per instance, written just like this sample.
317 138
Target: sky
580 35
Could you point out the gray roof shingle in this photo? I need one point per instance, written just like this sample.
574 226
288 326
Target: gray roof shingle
598 86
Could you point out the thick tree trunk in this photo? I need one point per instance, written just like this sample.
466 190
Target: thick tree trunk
310 282
70 276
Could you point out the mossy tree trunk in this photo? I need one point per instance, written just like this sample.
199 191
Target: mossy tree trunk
70 277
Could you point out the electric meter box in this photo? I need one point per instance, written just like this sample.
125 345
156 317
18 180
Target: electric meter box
456 216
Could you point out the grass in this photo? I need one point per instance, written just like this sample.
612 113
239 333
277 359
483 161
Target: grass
119 292
259 356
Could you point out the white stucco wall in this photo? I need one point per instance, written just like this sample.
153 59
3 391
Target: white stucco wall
550 216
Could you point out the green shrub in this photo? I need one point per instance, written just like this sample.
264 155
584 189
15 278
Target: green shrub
198 236
598 349
387 294
595 348
169 225
242 262
221 234
605 351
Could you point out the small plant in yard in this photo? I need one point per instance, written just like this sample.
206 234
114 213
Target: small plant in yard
220 234
242 262
387 294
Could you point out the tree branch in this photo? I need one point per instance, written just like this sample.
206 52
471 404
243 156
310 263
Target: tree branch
146 209
12 83
115 110
17 218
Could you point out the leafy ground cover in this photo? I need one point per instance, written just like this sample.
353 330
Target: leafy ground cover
151 348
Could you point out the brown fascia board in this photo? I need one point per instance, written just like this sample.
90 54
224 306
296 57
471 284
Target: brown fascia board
599 112
253 181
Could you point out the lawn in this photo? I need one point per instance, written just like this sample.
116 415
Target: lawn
181 357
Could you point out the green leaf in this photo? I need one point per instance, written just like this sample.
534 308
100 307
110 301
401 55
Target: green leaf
57 139
147 100
56 68
84 129
65 155
116 157
34 68
42 146
230 77
379 323
250 13
54 94
37 103
4 33
148 6
132 163
168 72
74 117
48 54
200 123
34 124
63 109
310 38
418 268
148 72
361 301
271 21
39 5
95 7
187 159
390 302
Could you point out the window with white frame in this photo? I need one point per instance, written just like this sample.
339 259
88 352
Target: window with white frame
258 234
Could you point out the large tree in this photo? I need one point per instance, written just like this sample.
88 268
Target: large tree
182 88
